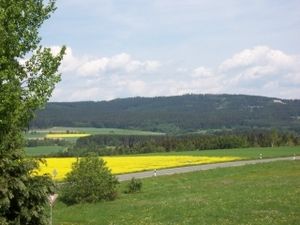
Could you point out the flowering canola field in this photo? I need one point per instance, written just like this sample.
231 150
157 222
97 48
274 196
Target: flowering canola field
65 135
59 167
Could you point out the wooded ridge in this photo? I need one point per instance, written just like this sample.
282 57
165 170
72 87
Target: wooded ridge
176 114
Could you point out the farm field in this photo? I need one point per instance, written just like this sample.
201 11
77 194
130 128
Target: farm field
249 153
43 150
85 131
127 164
254 194
142 162
71 134
65 135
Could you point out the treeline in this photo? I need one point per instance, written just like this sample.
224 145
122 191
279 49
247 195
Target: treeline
118 145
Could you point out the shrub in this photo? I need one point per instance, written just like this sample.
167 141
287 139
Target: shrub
134 186
89 181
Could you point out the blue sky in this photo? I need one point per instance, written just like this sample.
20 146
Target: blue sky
124 48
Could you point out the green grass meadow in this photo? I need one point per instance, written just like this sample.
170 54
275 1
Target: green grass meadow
262 194
247 153
43 150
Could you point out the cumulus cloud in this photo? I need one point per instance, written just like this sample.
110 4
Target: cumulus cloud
96 66
202 72
260 55
258 71
262 70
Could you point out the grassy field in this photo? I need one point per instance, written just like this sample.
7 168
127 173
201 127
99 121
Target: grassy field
73 135
41 133
247 153
43 150
265 194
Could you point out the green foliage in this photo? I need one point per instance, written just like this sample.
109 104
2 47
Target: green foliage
89 181
133 186
28 74
176 114
137 144
46 142
24 196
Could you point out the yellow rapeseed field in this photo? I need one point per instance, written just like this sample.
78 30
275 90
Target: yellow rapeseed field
65 135
128 164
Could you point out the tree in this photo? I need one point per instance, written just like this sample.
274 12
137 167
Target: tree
274 137
89 181
28 74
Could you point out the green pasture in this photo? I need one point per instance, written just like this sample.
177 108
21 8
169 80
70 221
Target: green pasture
254 194
41 133
248 153
108 131
245 153
43 150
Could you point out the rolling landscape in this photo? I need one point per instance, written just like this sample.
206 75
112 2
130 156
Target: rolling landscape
187 113
161 112
130 145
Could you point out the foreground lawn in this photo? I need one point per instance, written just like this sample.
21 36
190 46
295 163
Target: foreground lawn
265 194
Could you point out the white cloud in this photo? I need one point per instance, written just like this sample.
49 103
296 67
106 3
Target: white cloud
97 66
260 55
152 66
70 62
202 72
93 67
137 87
259 71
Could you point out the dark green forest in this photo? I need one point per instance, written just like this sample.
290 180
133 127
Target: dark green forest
135 144
177 114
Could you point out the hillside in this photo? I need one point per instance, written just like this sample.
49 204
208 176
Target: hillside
176 113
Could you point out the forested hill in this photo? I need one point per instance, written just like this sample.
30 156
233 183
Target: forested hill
177 113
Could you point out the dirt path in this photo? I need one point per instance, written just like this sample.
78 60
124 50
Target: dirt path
187 169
